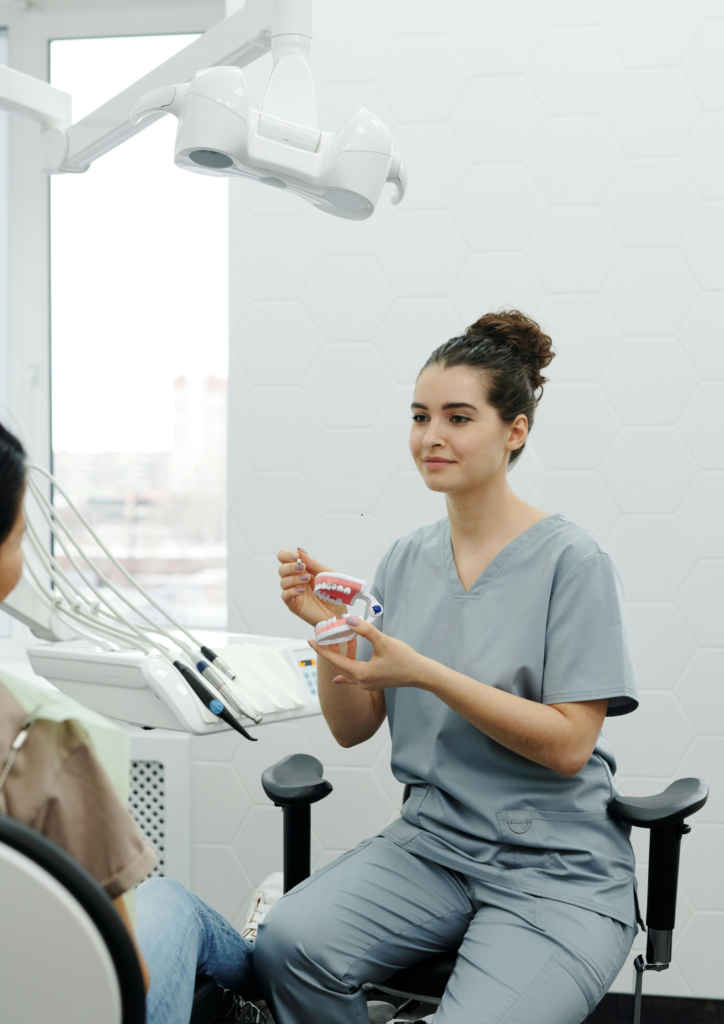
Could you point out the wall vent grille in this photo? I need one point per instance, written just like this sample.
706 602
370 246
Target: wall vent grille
147 804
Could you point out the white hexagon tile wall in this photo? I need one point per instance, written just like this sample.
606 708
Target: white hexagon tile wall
566 158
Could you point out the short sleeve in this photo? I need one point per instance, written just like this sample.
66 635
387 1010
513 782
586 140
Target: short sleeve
587 653
85 816
364 647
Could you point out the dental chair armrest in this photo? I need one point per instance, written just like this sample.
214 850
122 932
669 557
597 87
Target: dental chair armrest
664 815
678 801
296 779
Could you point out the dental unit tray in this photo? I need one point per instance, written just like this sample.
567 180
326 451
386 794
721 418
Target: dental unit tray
103 647
276 677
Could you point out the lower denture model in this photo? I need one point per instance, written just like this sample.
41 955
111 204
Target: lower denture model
336 588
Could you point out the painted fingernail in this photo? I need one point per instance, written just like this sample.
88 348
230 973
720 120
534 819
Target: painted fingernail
300 590
301 565
353 620
305 577
303 551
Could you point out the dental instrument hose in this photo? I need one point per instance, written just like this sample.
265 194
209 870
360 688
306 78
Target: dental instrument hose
50 514
215 706
92 616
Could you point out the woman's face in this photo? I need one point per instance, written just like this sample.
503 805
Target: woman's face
457 440
11 557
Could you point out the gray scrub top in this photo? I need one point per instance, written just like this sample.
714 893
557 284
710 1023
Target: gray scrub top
544 621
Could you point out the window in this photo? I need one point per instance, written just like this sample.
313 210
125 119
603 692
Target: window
139 338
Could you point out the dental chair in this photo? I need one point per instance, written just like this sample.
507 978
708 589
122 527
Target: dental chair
65 954
296 782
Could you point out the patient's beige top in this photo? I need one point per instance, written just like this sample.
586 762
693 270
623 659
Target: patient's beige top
58 786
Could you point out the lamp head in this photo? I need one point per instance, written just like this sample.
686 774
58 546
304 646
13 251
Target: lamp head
219 133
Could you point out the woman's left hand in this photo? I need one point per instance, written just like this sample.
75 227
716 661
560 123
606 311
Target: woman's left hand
393 663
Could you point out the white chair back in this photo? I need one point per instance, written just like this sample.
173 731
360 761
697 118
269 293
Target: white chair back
55 967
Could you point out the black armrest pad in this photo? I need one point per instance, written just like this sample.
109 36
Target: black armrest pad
296 779
678 801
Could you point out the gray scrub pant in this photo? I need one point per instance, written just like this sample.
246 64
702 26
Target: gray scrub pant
522 960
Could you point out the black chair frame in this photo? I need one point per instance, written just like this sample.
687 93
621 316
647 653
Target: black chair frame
297 781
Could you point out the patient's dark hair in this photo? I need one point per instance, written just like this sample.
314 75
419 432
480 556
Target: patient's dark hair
12 480
512 350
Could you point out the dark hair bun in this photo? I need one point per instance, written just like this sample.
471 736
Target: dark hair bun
513 328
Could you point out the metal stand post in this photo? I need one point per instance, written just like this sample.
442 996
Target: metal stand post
297 843
639 968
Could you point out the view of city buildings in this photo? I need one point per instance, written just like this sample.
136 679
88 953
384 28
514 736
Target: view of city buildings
162 514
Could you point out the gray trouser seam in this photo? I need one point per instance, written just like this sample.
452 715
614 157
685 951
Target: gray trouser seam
541 973
380 942
591 1004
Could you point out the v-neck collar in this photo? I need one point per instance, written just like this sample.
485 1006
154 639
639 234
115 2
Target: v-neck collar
498 565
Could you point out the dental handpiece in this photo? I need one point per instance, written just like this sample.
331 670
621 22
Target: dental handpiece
218 662
215 706
229 696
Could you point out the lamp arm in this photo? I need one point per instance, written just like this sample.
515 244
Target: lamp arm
31 97
238 40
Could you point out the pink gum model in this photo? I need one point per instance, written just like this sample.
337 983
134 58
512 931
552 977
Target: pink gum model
337 588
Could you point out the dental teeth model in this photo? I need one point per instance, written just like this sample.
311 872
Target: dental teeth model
336 588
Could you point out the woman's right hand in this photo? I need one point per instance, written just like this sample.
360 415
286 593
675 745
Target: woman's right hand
298 571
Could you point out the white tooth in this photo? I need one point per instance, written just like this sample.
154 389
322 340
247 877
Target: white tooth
348 590
332 586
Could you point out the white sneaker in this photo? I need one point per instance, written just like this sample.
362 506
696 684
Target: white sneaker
264 898
379 1012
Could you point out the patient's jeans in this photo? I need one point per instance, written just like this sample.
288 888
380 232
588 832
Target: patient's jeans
180 937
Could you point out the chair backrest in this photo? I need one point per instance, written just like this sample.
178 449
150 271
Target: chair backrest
65 954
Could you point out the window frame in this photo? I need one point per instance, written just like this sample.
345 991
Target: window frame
30 33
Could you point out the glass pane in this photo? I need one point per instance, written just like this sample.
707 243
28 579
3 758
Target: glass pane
139 327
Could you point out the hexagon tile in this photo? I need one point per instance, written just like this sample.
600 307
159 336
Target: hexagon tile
573 160
652 113
483 123
648 470
582 55
348 298
584 335
498 38
565 158
649 382
653 556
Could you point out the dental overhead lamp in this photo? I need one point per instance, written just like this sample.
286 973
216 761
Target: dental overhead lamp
219 132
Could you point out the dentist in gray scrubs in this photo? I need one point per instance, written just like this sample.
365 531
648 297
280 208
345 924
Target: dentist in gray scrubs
501 650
